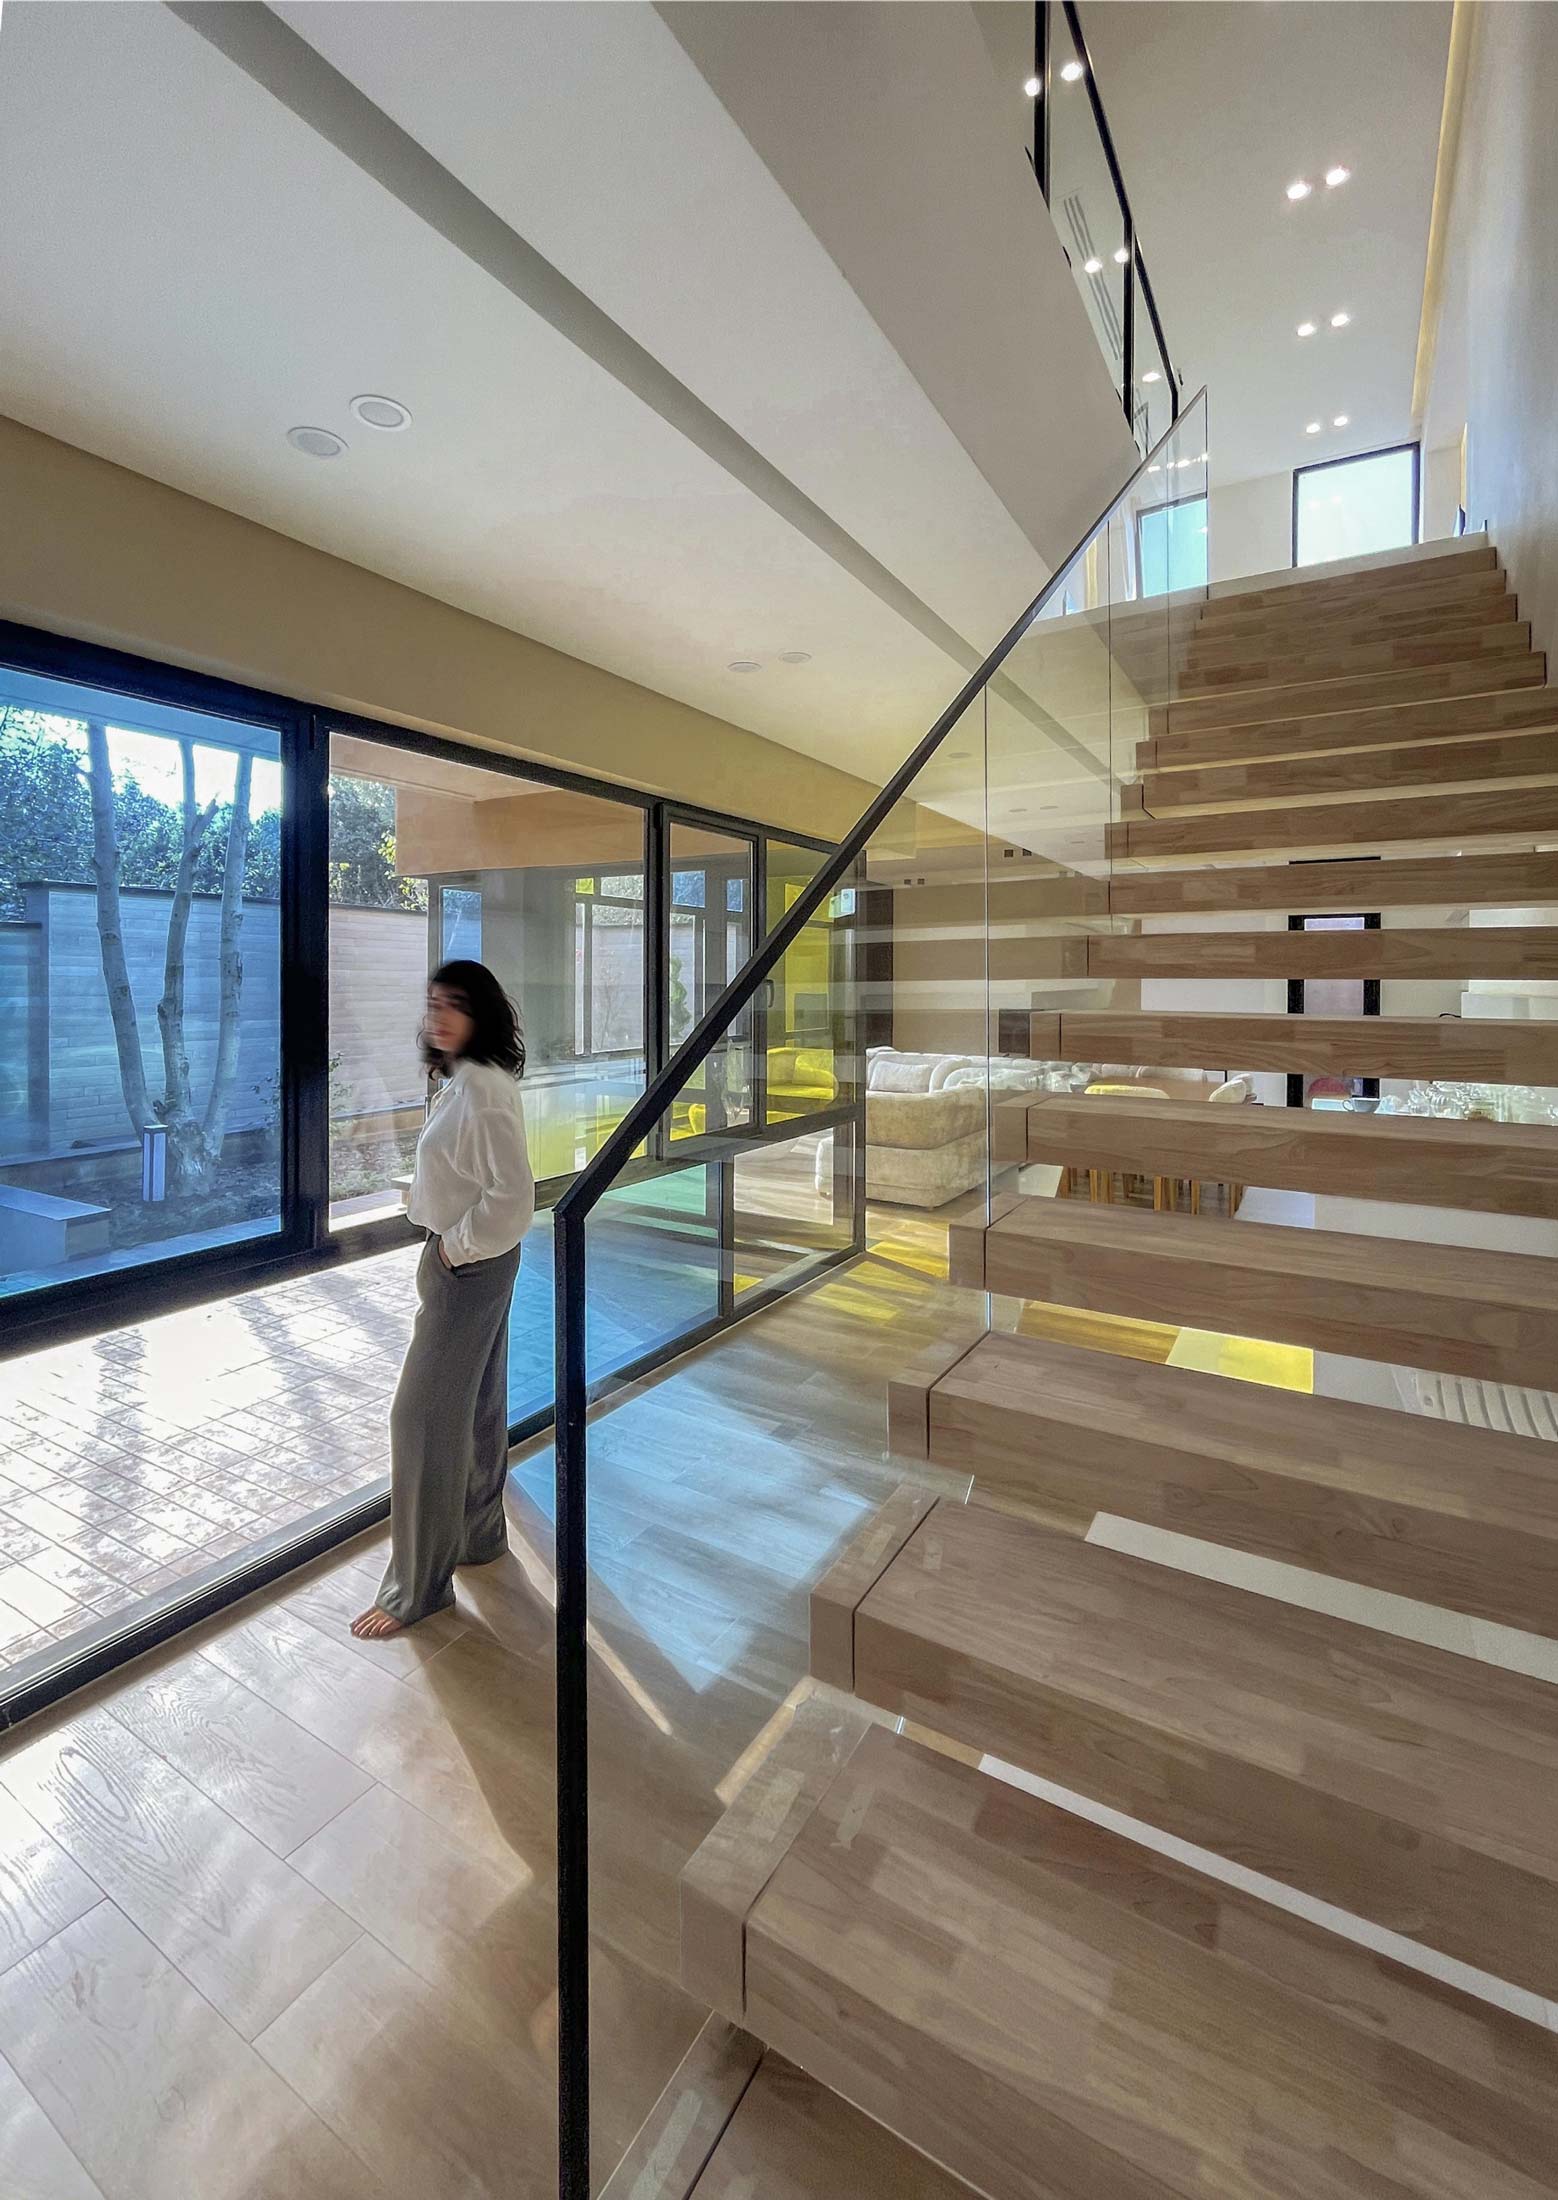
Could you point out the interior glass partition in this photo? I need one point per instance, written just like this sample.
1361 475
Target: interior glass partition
430 860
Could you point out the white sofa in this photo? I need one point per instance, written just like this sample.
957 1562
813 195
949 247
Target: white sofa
927 1136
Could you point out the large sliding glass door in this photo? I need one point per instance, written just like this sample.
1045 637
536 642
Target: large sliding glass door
218 915
140 981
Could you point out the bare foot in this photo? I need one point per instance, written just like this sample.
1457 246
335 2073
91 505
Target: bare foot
369 1626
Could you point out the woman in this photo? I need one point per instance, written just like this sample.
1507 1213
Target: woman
475 1196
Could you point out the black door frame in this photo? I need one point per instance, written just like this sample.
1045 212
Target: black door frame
1370 923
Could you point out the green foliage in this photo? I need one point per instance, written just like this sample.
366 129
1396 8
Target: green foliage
46 830
362 848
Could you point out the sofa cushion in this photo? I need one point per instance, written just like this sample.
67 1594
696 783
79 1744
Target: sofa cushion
920 1121
900 1072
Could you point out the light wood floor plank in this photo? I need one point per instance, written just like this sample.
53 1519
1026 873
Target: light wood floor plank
154 2094
260 1767
244 1929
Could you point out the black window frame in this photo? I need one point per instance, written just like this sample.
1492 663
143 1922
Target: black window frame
306 1244
1356 458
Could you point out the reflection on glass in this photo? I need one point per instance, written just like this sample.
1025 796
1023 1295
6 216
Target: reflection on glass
431 860
140 979
807 994
710 938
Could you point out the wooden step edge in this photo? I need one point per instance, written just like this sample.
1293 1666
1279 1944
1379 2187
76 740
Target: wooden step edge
676 2139
1263 700
1442 2087
1345 1812
1350 774
1520 710
1360 583
1251 708
1342 640
1467 954
745 1847
1182 1450
1492 1316
1520 880
1199 682
853 1574
1455 611
1500 813
909 1390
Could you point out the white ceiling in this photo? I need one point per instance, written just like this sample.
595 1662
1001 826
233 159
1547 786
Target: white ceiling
189 270
1215 109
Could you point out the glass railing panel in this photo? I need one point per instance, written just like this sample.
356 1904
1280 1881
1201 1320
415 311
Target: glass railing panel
1083 199
1152 405
900 1019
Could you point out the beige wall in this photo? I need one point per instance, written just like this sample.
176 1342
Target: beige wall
95 551
1493 365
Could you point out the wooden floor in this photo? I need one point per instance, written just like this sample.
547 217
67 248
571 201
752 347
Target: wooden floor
276 1907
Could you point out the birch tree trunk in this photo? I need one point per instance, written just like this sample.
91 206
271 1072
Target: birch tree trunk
229 1028
110 932
184 1142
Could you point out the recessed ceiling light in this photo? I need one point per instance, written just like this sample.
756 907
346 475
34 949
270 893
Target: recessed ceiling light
1033 87
1152 375
1306 328
1072 71
744 664
1313 428
1340 320
387 414
317 442
1154 469
1341 420
1334 176
1300 189
1120 255
795 656
1094 266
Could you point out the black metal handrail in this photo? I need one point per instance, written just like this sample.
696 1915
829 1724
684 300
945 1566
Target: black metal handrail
1135 265
570 1218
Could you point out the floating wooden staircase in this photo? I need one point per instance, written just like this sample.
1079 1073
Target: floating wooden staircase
1129 1752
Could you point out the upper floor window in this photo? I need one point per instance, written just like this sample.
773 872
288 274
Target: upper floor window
1348 507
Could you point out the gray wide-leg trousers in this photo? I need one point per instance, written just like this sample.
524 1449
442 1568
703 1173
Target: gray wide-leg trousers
449 1433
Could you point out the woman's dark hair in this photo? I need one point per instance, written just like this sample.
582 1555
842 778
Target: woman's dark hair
499 1036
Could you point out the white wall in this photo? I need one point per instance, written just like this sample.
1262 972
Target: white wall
1494 359
1251 525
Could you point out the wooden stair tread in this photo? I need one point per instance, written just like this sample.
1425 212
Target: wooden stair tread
1349 588
1467 1276
1408 1784
1492 1168
1225 672
1461 1310
1452 611
1476 1049
1466 815
1366 691
1517 879
1459 1517
1531 755
1091 2021
1445 951
1453 718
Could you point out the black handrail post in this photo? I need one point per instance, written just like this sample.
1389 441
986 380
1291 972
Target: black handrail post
1041 108
573 1690
1128 338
